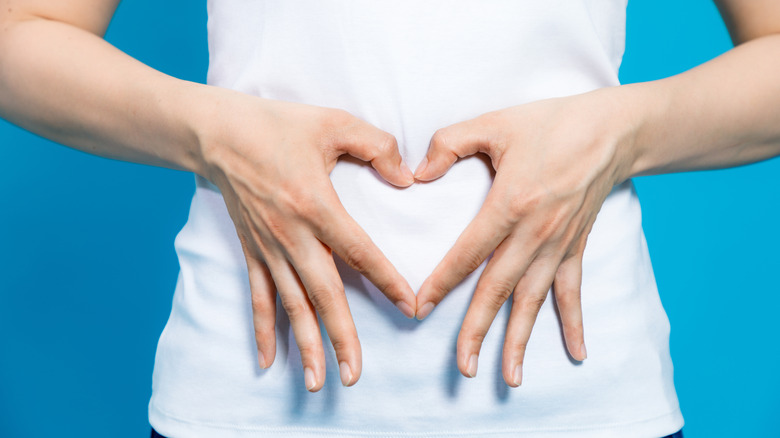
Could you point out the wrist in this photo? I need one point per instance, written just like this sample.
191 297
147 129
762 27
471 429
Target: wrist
226 125
642 108
199 107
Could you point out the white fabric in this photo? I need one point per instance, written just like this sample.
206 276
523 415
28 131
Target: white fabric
410 67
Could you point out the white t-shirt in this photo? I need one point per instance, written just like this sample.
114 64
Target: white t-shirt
410 67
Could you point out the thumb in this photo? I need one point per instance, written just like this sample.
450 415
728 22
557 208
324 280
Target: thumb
366 142
451 143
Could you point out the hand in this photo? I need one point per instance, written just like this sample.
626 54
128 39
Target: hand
271 160
556 161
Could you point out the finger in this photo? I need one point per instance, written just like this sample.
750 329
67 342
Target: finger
449 144
263 294
364 141
336 228
314 264
303 320
529 296
566 287
485 232
495 285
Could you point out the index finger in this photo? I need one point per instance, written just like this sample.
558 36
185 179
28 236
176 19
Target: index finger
336 228
480 238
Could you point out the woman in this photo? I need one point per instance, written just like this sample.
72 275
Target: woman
459 75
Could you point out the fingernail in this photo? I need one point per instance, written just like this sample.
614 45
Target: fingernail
421 167
405 309
308 376
471 369
424 311
517 377
583 352
407 173
346 374
261 359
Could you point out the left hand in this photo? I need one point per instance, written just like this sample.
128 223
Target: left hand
556 161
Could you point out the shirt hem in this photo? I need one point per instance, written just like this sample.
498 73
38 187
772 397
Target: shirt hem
174 427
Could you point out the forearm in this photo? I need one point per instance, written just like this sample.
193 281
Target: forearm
69 85
723 113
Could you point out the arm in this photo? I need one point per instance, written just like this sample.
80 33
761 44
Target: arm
270 159
723 113
60 79
550 186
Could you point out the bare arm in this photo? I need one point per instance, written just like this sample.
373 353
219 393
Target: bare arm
270 159
60 79
723 113
550 184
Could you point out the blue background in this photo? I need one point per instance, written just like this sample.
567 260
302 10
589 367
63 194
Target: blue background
87 267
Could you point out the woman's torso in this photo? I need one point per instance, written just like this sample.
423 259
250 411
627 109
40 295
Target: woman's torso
411 67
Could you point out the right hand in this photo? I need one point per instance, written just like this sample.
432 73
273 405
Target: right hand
271 160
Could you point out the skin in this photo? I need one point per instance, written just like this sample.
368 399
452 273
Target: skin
271 161
550 185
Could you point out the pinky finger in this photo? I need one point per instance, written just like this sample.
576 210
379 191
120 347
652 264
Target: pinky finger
263 292
566 289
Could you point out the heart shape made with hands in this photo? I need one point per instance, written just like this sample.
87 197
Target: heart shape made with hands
545 195
546 191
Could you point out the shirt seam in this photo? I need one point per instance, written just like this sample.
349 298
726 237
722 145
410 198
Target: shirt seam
328 430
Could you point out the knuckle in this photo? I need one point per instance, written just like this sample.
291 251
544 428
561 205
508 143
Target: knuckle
518 346
309 350
567 293
468 340
496 292
475 338
295 307
336 125
439 287
357 255
565 271
342 345
278 229
284 198
517 207
551 226
498 214
260 306
567 301
468 259
322 297
531 303
496 297
304 204
545 231
439 138
387 145
264 332
254 256
261 268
